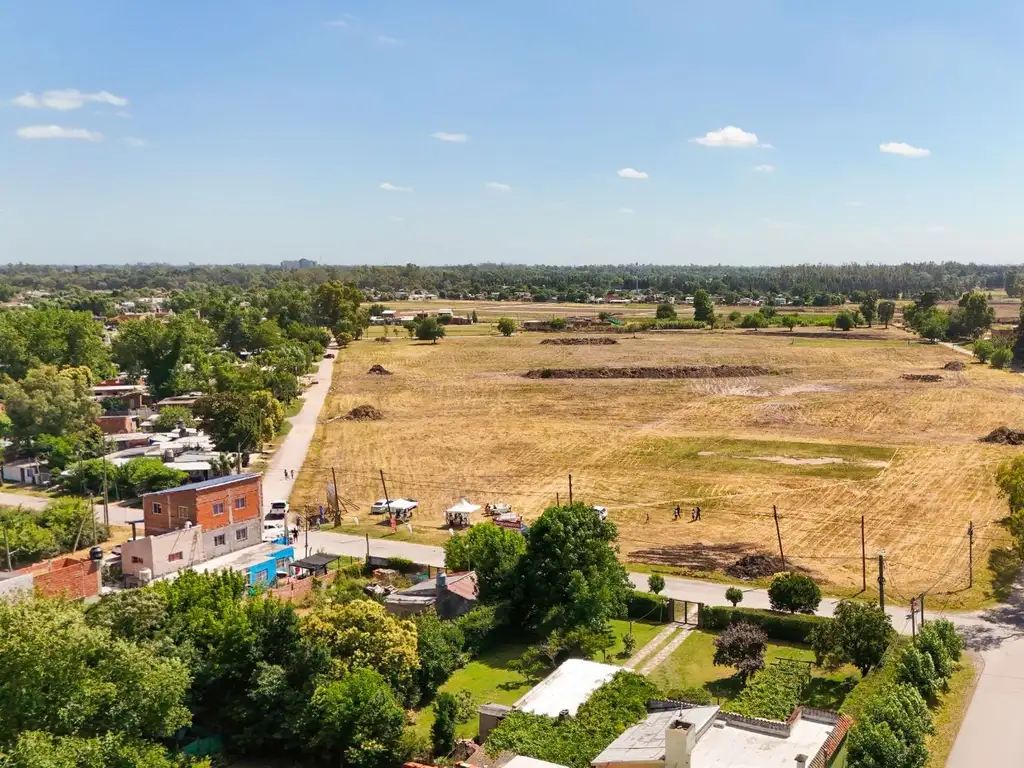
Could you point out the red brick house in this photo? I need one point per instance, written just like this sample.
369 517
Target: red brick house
210 503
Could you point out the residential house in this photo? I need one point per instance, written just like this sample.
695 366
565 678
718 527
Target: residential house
211 504
185 401
121 424
451 595
26 472
677 734
564 690
157 555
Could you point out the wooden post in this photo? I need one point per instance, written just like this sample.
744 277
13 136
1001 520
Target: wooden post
881 580
863 558
387 499
337 501
778 533
970 555
570 489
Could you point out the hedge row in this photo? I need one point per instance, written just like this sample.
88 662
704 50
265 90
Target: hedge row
793 628
644 605
773 693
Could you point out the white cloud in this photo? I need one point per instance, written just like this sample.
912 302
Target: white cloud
730 136
67 100
385 40
458 138
855 204
632 173
497 186
625 210
764 168
57 132
387 186
900 148
132 141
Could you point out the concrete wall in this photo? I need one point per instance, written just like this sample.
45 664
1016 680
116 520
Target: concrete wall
232 543
156 552
14 587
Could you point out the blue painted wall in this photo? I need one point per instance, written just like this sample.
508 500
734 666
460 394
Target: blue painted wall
266 572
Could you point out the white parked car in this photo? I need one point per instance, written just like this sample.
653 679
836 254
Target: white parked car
278 510
274 530
399 507
602 512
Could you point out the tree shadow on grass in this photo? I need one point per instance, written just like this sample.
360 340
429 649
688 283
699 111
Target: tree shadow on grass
726 688
1004 564
826 693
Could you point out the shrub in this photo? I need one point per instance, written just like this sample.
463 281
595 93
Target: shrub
952 639
741 645
755 321
656 582
844 321
694 695
665 312
794 592
891 731
734 595
480 627
793 628
859 633
983 349
628 644
915 667
644 605
1001 357
735 315
442 733
772 693
558 324
401 564
506 326
930 641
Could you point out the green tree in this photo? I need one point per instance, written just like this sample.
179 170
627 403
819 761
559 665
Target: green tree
656 583
25 541
869 307
49 401
734 595
363 634
172 416
741 645
703 307
858 634
30 338
356 722
983 349
665 312
755 320
173 356
428 329
134 614
239 422
145 475
439 646
506 326
335 303
442 732
794 592
493 552
886 310
891 732
977 316
37 749
558 324
1001 357
570 574
844 321
915 667
932 642
789 321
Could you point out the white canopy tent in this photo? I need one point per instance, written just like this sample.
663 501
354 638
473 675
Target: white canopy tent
459 514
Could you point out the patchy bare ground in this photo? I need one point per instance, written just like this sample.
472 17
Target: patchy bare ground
651 372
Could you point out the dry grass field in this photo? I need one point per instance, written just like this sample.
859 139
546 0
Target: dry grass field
833 434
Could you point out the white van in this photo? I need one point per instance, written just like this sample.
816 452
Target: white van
274 530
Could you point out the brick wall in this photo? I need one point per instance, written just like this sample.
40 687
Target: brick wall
67 576
247 492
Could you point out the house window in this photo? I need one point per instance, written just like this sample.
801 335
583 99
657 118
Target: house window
282 564
240 503
218 508
241 534
136 560
182 511
220 540
261 577
156 509
175 556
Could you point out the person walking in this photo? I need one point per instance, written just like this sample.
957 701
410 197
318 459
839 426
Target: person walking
648 518
696 514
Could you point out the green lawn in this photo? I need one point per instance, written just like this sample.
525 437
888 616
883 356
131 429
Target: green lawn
690 666
950 710
488 680
643 631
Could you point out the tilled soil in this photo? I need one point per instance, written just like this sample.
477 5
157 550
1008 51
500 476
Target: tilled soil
954 365
754 567
378 370
644 372
597 342
1004 436
921 377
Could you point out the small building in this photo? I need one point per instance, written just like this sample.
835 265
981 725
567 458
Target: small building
684 734
451 595
157 555
26 472
116 424
132 396
184 401
211 503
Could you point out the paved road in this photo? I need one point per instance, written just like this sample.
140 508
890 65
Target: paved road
292 452
118 515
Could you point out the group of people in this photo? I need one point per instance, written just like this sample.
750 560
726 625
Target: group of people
292 475
694 514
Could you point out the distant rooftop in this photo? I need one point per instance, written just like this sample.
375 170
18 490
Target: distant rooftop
567 688
225 480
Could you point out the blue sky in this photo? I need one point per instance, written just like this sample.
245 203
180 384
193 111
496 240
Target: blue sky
449 132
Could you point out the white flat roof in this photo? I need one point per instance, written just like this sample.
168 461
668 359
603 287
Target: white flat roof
521 761
567 688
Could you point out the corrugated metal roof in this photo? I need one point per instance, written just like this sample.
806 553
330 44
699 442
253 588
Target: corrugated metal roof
213 483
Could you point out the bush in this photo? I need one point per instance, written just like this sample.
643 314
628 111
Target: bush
628 644
656 582
506 326
779 626
773 693
1001 357
741 645
755 321
891 731
915 667
734 595
694 695
481 628
930 641
983 349
665 312
644 605
794 592
844 321
442 733
951 638
401 564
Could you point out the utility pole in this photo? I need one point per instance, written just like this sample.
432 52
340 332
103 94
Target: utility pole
557 502
970 555
367 549
106 498
921 600
913 618
387 499
778 533
337 503
306 510
570 489
881 579
863 559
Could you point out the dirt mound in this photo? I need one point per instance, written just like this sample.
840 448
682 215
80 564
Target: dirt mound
643 372
378 370
599 341
364 413
1004 436
954 365
921 377
754 567
382 340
